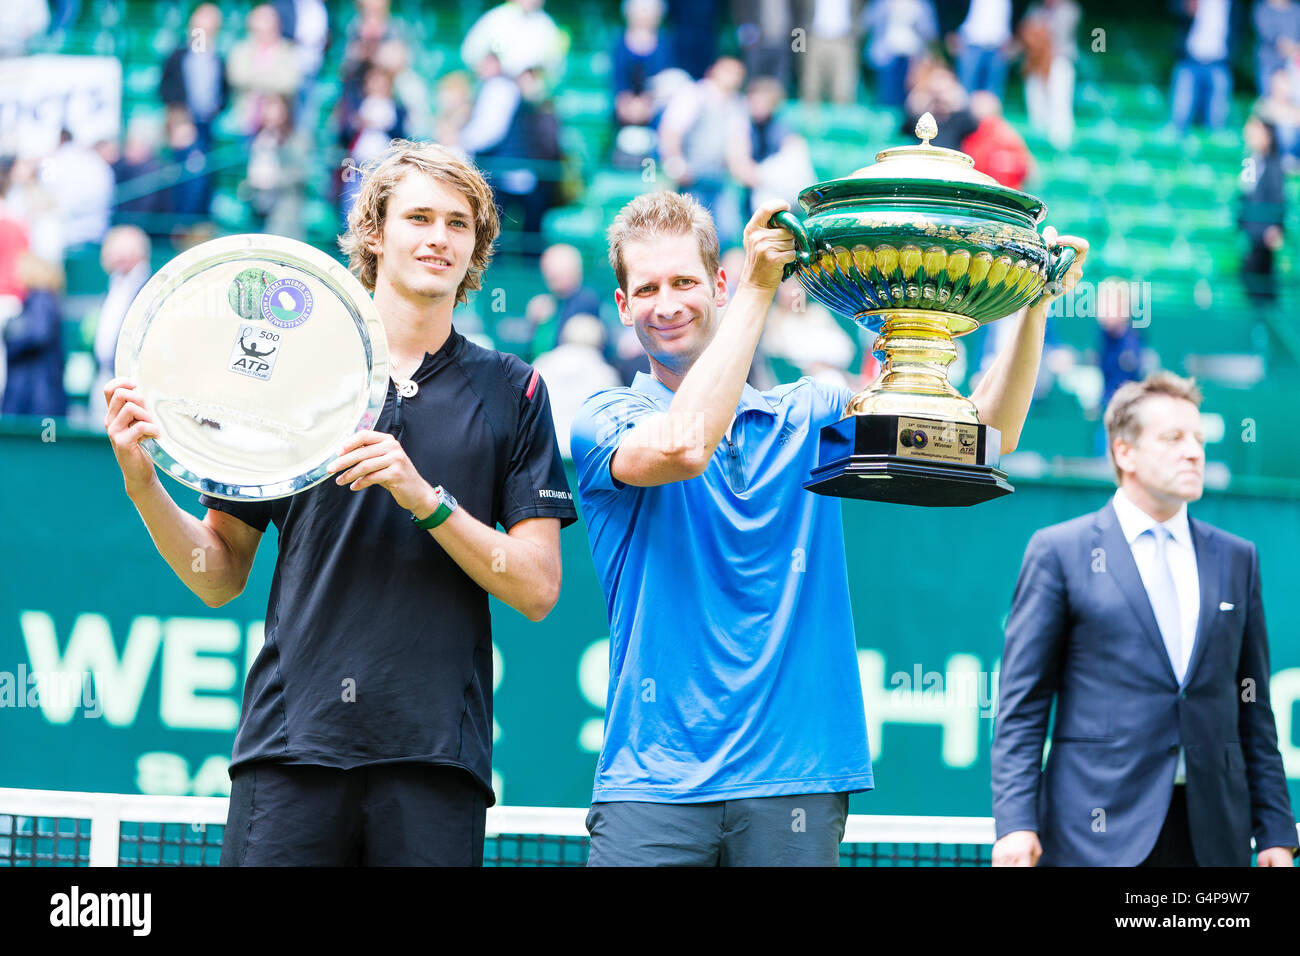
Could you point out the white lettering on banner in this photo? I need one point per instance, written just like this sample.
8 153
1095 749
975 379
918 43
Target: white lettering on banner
167 774
950 700
90 648
199 689
593 681
953 700
41 95
188 667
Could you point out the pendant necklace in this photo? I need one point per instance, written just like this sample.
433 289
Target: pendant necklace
405 386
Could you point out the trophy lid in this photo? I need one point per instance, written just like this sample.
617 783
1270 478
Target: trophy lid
921 172
924 161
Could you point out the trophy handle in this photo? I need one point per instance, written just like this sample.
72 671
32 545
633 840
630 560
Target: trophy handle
1060 257
802 243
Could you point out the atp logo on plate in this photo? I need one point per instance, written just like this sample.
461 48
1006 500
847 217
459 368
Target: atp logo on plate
286 303
255 352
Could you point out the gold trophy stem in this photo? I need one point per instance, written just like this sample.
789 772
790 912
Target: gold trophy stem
918 346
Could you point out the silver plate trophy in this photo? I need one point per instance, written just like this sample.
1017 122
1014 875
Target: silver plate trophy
258 356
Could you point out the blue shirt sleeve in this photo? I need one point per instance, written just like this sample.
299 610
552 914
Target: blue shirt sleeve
829 402
597 430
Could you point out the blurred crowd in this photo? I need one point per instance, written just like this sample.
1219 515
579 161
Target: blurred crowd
702 96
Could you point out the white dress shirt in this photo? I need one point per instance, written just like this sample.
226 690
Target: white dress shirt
1207 40
987 23
1181 554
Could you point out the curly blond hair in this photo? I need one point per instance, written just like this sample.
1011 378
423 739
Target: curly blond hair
368 213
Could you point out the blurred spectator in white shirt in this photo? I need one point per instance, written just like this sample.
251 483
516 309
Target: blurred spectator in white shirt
311 34
1047 34
521 35
981 46
82 185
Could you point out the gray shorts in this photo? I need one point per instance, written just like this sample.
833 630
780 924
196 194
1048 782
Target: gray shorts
801 830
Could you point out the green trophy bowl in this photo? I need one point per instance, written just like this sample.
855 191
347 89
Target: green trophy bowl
920 248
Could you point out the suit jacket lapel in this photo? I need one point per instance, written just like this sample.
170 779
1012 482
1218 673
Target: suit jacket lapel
1209 571
1123 570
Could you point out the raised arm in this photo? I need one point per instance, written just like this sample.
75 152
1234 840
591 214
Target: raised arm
1004 393
678 444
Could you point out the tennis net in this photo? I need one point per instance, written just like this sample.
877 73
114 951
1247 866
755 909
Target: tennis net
61 828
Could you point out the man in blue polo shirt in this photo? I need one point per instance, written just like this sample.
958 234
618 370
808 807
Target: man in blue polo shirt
734 727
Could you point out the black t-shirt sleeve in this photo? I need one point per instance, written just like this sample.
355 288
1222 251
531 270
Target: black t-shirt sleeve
534 484
255 514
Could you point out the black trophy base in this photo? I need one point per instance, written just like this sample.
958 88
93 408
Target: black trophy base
901 459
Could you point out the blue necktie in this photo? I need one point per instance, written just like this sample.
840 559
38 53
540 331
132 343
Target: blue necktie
1164 600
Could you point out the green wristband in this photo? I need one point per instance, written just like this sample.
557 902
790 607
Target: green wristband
446 505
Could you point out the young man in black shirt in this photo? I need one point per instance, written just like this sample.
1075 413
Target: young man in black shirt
366 729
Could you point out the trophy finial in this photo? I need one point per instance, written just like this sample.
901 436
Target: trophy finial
926 128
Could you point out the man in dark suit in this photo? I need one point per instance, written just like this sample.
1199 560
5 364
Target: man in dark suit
1147 628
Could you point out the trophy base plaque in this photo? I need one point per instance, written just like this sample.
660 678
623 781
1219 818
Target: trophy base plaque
909 461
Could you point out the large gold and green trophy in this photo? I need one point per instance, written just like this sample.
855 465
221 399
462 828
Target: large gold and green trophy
920 248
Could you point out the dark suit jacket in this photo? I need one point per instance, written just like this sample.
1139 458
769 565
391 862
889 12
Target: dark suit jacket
1082 632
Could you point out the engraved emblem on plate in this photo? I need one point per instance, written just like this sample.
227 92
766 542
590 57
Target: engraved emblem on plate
254 352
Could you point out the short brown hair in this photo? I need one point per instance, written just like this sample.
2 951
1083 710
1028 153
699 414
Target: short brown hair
370 210
662 214
1122 412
